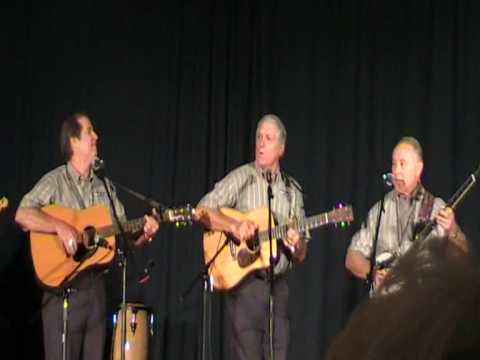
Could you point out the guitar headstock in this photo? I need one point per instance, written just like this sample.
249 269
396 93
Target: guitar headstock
180 216
342 215
3 203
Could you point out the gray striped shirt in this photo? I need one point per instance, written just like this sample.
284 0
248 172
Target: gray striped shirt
397 227
64 186
245 188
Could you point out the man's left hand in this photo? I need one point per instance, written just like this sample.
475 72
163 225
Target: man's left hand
150 227
446 219
295 242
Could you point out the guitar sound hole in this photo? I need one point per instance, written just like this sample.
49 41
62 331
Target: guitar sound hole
81 254
253 244
89 237
86 248
246 257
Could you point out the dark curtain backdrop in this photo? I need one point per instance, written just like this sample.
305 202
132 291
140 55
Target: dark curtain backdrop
175 89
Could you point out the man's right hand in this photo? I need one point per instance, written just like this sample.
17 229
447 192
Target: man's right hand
68 235
244 230
378 277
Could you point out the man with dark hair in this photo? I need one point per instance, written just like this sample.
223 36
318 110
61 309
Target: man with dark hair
245 189
74 185
406 207
70 128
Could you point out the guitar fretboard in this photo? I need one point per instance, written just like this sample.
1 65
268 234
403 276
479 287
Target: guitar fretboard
280 232
178 215
130 226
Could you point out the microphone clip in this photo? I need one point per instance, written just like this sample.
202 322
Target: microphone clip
98 167
268 176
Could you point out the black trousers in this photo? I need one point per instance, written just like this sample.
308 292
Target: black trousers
247 309
86 320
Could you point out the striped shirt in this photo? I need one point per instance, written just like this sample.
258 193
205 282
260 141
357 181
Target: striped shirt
245 188
396 233
64 186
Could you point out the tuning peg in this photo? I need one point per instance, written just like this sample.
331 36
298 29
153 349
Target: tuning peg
340 206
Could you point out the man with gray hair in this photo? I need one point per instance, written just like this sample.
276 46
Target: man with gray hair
406 208
245 189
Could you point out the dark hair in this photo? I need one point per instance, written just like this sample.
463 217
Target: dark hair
431 312
70 128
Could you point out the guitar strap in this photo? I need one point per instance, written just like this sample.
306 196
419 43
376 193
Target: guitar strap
287 180
426 207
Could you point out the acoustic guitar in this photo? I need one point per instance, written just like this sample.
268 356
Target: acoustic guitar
237 259
54 268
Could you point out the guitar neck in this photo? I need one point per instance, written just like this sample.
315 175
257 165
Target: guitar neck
130 227
280 232
180 216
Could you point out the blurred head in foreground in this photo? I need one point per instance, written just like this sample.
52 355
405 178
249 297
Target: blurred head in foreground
430 310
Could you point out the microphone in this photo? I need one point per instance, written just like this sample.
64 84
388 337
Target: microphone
98 167
387 179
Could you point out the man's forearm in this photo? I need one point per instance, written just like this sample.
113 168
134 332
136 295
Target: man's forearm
300 252
357 264
213 219
458 238
33 219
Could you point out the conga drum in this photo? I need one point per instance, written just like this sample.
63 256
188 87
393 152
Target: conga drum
139 328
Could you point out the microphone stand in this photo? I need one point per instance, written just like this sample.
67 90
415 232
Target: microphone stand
271 267
206 301
375 242
66 291
123 249
370 279
65 306
123 254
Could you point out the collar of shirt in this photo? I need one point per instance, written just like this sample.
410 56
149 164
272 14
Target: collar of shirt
77 177
263 174
415 196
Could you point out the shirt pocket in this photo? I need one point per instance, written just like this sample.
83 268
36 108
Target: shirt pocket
101 196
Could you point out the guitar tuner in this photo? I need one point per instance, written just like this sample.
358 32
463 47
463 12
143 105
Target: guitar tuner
342 215
180 224
342 224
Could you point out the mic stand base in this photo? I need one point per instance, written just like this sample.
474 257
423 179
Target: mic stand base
270 322
271 325
123 307
65 306
206 301
206 316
